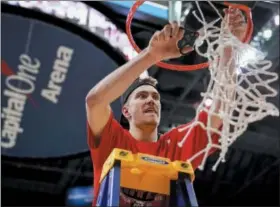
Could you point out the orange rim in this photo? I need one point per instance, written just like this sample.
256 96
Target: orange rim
168 66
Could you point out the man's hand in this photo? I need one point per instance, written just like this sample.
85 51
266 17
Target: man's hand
237 23
237 27
163 44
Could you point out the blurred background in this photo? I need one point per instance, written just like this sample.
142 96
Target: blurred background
57 50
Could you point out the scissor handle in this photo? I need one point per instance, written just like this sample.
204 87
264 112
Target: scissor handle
188 40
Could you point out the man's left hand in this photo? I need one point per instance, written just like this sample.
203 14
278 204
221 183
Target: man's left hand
237 23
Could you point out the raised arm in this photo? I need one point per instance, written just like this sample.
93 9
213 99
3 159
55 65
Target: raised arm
163 45
237 26
100 97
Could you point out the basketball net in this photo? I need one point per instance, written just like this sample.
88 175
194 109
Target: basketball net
240 96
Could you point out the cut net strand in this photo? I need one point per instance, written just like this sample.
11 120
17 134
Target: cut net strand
240 98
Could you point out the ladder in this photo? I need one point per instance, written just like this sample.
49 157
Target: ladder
146 173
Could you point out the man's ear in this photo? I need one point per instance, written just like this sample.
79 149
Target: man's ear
125 112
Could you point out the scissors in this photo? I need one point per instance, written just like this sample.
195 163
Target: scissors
190 36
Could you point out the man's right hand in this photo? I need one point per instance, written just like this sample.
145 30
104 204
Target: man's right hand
163 44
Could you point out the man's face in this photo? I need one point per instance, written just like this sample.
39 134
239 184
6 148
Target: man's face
143 106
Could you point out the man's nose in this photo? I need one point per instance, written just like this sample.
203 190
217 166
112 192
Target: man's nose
150 100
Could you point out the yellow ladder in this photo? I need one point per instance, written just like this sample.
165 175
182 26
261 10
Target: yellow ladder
146 173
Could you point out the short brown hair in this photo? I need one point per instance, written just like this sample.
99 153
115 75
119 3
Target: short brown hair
149 81
137 83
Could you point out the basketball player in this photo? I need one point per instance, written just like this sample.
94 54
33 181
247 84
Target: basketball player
142 111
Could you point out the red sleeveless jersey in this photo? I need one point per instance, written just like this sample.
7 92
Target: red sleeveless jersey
115 136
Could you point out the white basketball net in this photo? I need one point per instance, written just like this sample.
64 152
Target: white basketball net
241 99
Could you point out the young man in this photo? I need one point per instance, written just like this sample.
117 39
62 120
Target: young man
141 111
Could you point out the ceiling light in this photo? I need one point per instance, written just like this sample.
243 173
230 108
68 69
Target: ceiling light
276 20
267 34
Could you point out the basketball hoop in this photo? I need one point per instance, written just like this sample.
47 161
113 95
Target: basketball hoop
240 96
138 3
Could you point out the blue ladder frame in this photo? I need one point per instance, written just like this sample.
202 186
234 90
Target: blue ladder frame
109 195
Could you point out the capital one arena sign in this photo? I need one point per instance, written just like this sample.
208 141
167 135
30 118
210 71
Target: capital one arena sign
46 74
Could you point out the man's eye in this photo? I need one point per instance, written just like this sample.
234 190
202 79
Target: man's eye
156 97
142 95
